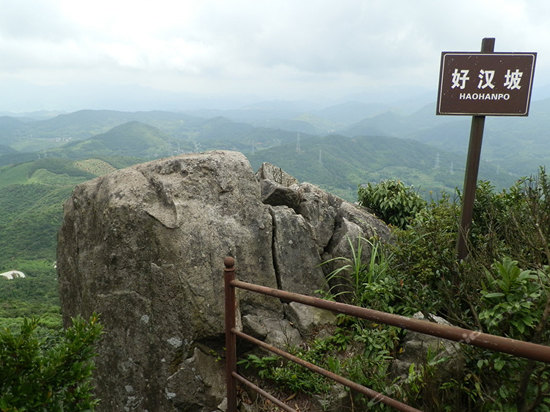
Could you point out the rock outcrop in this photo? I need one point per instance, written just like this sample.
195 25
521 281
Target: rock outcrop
144 247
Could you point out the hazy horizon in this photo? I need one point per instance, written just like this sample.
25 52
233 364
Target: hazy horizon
61 55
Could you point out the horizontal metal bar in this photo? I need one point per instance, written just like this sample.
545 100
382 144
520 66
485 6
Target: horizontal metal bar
497 343
340 379
263 393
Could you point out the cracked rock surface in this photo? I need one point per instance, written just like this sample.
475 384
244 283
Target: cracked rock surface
144 248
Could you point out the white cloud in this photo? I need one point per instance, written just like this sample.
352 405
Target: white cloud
271 48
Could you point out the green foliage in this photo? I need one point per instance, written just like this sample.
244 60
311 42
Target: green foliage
48 374
503 288
96 167
289 374
391 201
32 216
14 174
362 279
514 222
426 249
357 349
359 353
515 304
34 296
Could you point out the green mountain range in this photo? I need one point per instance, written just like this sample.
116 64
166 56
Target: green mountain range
42 160
515 144
129 139
340 164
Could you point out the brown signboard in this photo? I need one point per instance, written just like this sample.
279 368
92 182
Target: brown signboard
485 84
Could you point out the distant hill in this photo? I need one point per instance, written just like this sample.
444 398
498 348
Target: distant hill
222 133
6 150
36 135
31 199
10 129
340 164
129 139
188 133
515 144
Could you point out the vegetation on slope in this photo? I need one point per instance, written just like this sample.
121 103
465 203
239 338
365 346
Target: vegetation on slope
503 288
48 373
31 204
340 164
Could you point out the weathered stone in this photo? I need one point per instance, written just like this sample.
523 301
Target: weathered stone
307 318
198 383
144 247
295 253
267 171
417 345
275 194
320 210
281 333
274 330
353 225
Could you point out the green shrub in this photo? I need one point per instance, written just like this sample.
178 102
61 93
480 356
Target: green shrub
392 201
503 288
48 373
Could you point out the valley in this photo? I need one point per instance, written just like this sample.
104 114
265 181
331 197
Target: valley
42 159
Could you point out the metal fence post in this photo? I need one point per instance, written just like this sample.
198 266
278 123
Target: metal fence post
230 338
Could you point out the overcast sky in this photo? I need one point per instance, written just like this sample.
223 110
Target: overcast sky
72 54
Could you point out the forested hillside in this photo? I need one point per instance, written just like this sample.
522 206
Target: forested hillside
42 160
31 208
516 144
340 164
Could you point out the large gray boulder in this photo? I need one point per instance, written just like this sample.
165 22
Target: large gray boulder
144 248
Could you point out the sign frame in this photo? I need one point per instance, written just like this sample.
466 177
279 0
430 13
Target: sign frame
474 93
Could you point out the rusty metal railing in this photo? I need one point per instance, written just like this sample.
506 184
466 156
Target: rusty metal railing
496 343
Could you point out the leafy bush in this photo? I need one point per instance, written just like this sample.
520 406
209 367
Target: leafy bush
513 300
392 201
515 303
51 373
502 288
362 279
291 375
514 222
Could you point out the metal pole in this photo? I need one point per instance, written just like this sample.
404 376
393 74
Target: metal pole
472 169
230 338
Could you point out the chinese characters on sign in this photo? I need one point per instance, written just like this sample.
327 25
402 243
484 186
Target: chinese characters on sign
485 83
